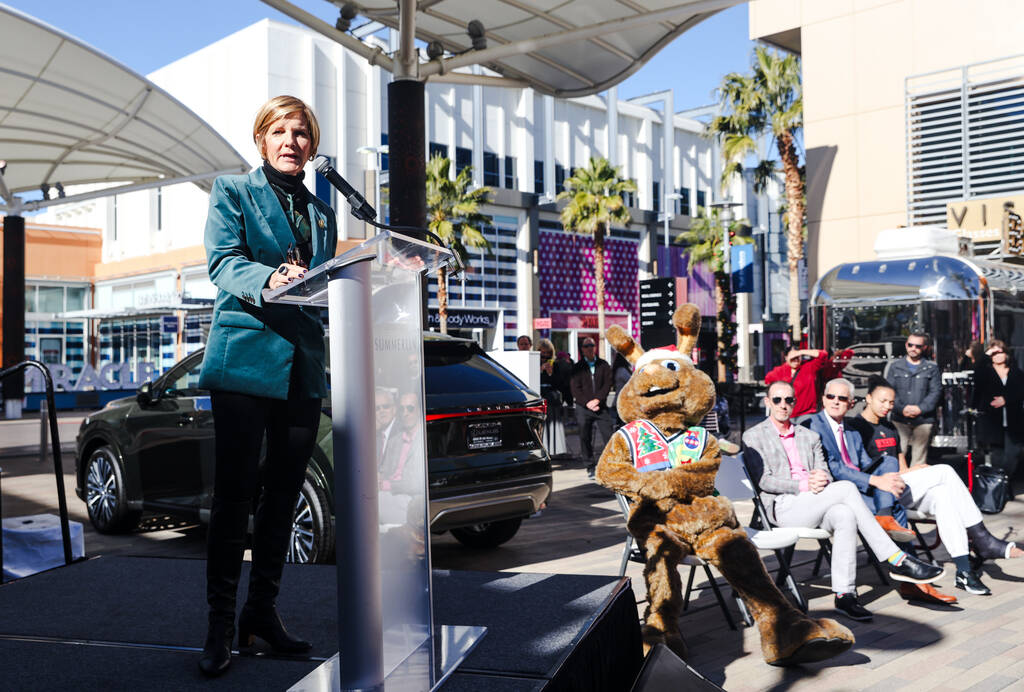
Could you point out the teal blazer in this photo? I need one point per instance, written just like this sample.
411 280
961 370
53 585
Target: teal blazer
254 346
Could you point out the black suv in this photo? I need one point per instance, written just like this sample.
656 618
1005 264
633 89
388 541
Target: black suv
487 467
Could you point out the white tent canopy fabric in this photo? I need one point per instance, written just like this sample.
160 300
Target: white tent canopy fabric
565 48
71 115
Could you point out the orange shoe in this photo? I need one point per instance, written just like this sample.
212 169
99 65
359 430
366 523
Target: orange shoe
896 532
926 593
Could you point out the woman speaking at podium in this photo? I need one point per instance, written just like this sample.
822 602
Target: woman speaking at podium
264 367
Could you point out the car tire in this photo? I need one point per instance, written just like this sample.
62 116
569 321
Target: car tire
312 539
487 535
105 497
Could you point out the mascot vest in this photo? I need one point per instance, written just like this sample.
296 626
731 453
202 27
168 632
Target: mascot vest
652 451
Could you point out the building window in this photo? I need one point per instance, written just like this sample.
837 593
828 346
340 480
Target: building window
510 173
438 149
384 156
683 203
656 196
629 197
491 175
538 177
463 159
701 200
559 177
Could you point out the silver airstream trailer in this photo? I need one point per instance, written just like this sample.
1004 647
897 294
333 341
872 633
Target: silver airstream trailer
869 308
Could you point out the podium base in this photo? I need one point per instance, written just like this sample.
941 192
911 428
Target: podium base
452 643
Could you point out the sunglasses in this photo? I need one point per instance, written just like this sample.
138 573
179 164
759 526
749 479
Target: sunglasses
779 399
588 345
408 408
844 399
384 407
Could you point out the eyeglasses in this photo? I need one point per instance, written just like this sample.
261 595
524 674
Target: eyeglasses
844 399
408 408
910 345
588 345
779 399
384 407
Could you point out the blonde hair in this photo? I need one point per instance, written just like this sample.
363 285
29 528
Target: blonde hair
280 107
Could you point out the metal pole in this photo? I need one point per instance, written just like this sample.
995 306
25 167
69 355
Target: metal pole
13 320
42 431
360 619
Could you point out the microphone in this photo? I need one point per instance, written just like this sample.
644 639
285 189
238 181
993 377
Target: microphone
361 209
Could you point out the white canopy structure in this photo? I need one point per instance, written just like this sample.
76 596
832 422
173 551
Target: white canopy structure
70 115
560 47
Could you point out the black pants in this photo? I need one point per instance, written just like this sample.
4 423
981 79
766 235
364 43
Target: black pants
239 422
1005 456
588 420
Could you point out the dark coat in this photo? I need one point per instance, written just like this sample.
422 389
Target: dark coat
920 388
987 386
586 387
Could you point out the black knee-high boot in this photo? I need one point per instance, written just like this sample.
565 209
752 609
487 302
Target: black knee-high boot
984 543
225 547
272 530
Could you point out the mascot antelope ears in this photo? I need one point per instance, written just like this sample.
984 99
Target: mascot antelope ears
686 320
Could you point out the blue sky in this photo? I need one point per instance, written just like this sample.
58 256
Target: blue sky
146 35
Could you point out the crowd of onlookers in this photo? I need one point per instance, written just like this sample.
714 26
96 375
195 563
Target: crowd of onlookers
819 465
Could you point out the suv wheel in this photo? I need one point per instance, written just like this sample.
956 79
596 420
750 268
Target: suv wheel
487 535
312 537
105 496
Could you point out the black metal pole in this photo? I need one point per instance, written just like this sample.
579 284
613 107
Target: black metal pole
407 163
13 322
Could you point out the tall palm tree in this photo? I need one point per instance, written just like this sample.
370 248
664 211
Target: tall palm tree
453 213
706 244
595 200
768 101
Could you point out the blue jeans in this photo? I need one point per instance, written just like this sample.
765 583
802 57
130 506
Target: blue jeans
879 500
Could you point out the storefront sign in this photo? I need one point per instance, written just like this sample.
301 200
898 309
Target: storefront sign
168 324
109 376
542 323
460 318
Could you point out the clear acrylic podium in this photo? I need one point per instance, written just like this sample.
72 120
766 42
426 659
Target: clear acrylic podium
387 639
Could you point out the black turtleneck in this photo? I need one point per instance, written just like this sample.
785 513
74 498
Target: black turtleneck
294 198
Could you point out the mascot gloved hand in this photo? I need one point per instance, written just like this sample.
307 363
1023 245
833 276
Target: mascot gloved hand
666 466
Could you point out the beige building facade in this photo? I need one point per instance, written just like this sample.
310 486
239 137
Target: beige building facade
941 75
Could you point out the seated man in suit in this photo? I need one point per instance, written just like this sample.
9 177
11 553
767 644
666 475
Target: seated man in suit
797 490
936 490
878 480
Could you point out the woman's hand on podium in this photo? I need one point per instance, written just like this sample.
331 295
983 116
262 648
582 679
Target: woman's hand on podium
285 274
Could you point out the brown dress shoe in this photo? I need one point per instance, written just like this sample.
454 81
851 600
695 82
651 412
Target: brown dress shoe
896 532
926 593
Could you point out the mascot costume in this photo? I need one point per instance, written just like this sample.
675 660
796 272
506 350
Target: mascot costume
666 466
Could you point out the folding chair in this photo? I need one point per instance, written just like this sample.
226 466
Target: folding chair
634 553
915 517
733 482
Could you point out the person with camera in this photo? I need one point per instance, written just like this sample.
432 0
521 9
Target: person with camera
998 398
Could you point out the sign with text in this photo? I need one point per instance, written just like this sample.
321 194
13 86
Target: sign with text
466 318
741 258
542 323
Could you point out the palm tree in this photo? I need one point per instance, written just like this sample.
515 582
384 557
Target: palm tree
768 101
595 203
706 244
453 213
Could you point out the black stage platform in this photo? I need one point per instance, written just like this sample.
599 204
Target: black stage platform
113 623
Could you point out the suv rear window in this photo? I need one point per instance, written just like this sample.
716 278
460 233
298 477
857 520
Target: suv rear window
454 367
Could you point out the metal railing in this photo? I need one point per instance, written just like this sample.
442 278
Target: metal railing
58 466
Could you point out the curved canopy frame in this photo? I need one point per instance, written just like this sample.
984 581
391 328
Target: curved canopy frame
565 48
70 115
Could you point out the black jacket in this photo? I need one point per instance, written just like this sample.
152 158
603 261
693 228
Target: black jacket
987 386
920 388
586 387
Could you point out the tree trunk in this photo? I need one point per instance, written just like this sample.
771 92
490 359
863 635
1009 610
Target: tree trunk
794 228
720 322
442 299
599 285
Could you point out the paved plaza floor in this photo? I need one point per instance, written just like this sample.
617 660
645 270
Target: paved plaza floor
976 645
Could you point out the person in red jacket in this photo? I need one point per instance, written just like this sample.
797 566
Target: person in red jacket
803 375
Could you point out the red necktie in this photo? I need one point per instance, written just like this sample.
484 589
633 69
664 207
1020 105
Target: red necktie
843 450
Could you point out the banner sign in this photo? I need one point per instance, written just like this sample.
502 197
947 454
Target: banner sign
466 319
741 260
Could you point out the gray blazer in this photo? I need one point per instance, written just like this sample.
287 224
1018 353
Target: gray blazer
763 439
